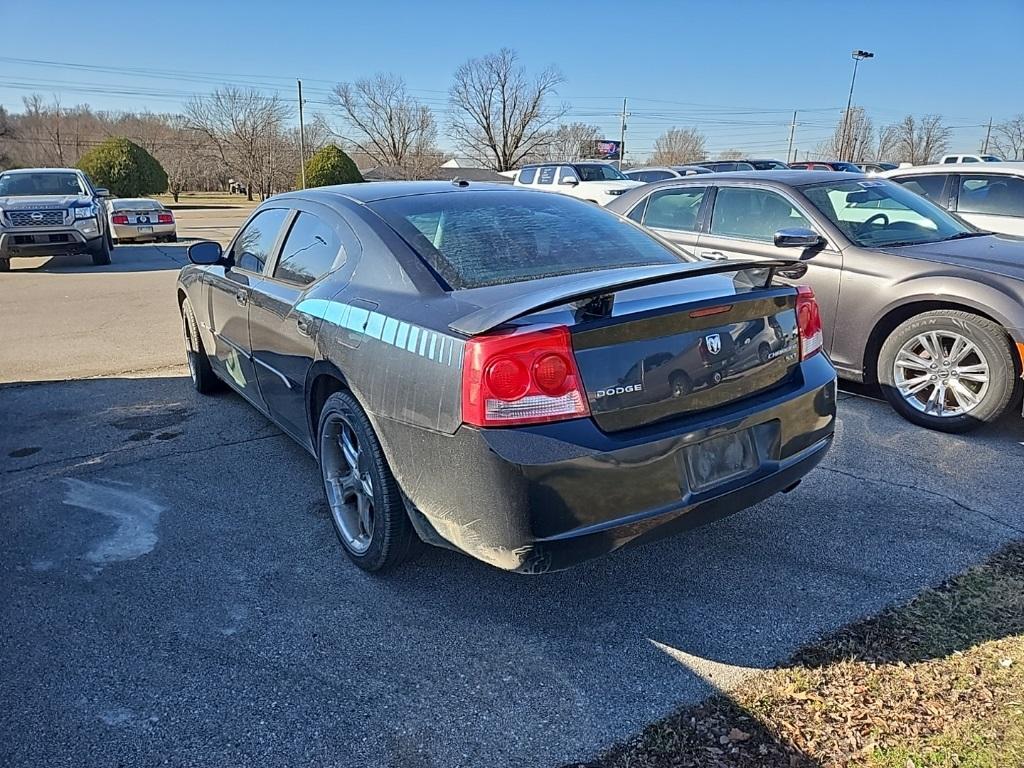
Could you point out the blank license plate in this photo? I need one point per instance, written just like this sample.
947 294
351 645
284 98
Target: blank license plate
719 459
145 230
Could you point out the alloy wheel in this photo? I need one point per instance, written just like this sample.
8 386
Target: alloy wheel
348 483
941 373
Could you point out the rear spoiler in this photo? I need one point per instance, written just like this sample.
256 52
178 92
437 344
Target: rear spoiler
590 284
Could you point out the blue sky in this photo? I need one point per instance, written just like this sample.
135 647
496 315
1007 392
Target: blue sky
736 70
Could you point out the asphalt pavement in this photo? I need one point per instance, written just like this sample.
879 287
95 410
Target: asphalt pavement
172 593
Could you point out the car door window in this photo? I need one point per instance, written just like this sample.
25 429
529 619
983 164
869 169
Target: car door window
675 209
658 176
309 252
753 214
930 186
527 175
995 195
566 173
253 245
546 175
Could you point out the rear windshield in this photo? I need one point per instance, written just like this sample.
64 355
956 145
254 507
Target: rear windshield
136 205
474 239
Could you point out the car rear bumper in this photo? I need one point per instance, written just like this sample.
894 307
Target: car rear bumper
54 242
543 498
131 231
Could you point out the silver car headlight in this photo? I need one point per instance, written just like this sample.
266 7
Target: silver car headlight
85 212
615 192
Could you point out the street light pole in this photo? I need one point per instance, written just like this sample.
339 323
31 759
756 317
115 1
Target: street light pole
858 56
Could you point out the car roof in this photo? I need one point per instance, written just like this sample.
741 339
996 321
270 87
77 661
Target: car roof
1008 167
373 191
790 176
43 170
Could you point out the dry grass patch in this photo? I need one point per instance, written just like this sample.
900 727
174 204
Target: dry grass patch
935 683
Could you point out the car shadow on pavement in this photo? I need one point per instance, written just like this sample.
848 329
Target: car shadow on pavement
194 550
142 257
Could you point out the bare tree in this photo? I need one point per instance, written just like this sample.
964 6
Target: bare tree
852 139
679 146
244 126
388 124
499 114
920 141
6 139
569 141
888 142
1008 138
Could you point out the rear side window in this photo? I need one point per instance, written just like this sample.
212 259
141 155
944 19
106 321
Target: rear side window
926 186
950 160
309 251
489 238
546 175
527 175
255 242
993 195
753 214
675 209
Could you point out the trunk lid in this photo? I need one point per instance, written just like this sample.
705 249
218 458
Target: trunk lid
679 354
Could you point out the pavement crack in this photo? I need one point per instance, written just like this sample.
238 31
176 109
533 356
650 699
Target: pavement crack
937 494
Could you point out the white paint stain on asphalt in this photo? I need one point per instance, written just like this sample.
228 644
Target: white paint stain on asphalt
135 516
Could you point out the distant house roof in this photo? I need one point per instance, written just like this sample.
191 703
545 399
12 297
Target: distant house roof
388 173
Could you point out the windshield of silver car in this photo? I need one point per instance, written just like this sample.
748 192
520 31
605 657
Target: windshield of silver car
874 213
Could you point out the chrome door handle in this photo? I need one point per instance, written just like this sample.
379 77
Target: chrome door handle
241 298
714 255
302 326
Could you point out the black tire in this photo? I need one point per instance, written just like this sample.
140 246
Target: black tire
203 378
110 239
100 251
392 539
992 343
171 239
5 265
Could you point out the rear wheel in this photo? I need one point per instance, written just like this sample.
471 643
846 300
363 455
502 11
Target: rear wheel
366 506
948 370
203 378
5 265
100 251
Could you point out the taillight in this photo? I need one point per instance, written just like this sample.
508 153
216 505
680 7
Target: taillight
119 218
808 320
526 376
165 218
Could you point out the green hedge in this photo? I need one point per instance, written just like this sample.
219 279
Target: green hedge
330 166
125 168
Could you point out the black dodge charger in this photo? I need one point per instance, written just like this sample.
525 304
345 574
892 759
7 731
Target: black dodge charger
521 376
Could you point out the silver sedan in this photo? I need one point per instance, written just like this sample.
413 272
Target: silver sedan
141 219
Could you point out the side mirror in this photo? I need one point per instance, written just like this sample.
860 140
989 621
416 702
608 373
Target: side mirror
572 182
206 252
102 192
798 237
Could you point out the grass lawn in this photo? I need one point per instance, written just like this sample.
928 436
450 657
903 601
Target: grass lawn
206 200
936 683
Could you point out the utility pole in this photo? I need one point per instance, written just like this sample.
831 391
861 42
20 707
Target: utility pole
622 135
988 135
792 130
302 138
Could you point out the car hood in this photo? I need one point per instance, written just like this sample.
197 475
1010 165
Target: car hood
996 254
607 185
41 202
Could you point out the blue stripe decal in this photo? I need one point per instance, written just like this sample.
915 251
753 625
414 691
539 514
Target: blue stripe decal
388 330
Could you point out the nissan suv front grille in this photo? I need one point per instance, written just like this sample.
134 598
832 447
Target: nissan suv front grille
36 218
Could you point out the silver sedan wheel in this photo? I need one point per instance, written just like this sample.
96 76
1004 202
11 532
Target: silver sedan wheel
348 483
941 373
